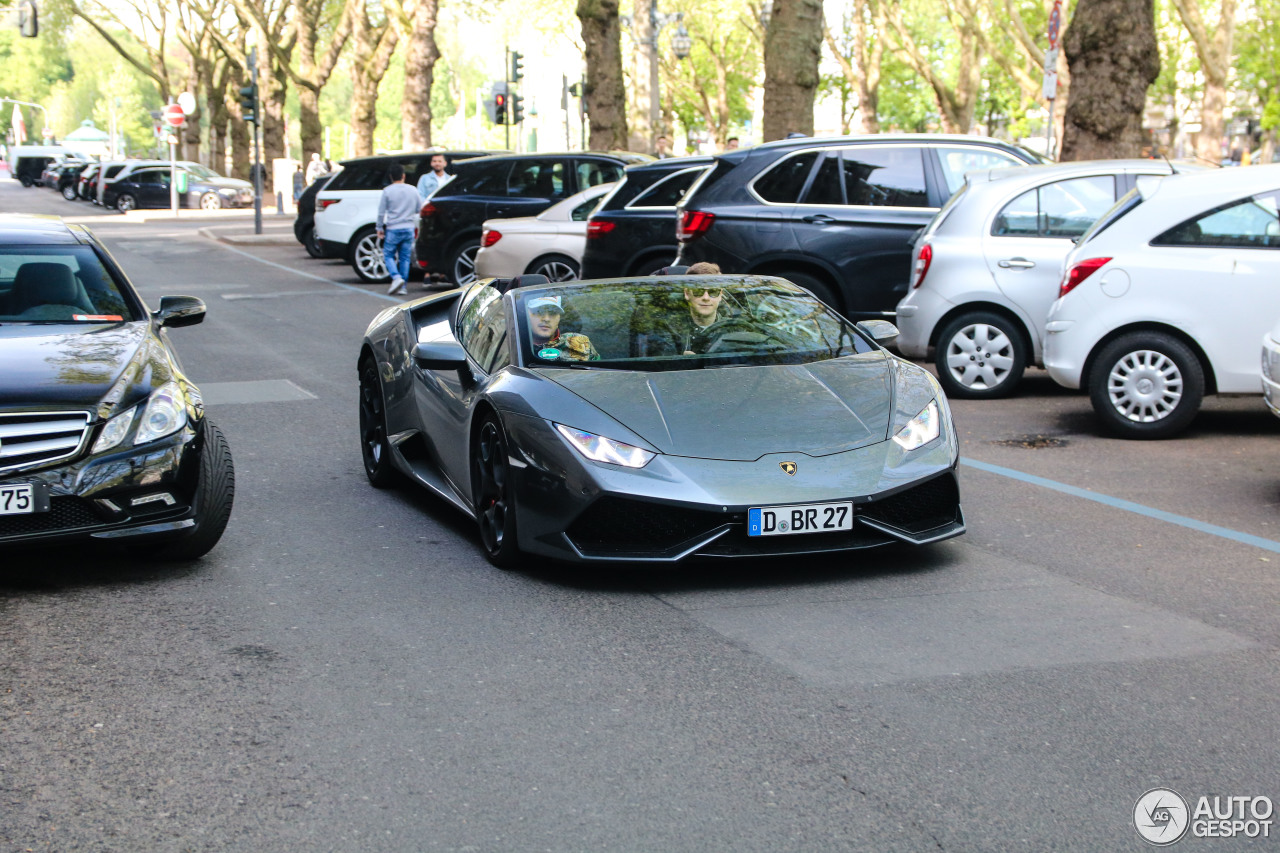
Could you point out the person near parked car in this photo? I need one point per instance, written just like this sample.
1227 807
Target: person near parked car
299 183
662 148
436 178
315 168
397 212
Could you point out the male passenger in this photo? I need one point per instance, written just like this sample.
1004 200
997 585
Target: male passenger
544 328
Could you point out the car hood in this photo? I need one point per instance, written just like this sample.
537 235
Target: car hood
107 367
743 413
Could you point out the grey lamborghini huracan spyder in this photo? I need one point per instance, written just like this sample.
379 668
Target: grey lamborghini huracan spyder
659 418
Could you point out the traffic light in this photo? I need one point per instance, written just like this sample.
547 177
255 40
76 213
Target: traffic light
517 109
28 19
517 65
249 103
496 104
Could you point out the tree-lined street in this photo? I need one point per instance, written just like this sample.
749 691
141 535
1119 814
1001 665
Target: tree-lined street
346 671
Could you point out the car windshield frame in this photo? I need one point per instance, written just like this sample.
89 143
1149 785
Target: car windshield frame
761 321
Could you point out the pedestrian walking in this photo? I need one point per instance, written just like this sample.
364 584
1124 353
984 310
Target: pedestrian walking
299 183
397 213
315 168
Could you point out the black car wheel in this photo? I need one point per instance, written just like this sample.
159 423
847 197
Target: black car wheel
555 268
25 181
491 494
125 202
815 286
1146 385
980 356
69 192
210 201
311 243
464 263
214 497
366 257
373 429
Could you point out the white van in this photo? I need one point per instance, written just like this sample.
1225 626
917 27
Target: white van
27 162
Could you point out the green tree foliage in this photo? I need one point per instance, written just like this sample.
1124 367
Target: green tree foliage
708 91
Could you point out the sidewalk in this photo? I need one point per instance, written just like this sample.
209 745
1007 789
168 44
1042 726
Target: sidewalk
274 233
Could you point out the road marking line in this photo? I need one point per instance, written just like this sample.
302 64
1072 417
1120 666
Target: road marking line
309 275
1128 506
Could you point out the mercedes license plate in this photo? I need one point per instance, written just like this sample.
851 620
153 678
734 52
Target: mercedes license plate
800 518
17 498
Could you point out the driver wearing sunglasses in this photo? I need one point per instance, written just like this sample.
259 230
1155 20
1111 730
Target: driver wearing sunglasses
704 309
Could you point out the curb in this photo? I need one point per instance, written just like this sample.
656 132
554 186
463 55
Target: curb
264 239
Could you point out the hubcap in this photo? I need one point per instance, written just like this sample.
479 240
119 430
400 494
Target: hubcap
369 258
464 268
1145 386
980 356
211 202
491 491
557 271
125 203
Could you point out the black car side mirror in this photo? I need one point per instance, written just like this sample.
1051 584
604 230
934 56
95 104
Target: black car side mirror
178 311
440 355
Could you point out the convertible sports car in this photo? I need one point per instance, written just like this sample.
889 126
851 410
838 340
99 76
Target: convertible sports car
103 439
654 419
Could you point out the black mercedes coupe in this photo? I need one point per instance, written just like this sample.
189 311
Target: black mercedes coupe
103 438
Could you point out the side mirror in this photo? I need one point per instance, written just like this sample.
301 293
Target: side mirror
178 311
440 355
881 331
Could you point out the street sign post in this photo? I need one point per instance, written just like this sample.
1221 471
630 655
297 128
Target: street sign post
175 117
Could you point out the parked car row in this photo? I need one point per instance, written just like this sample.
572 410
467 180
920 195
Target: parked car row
135 184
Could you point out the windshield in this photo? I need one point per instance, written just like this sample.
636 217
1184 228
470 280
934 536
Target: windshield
680 323
59 284
202 171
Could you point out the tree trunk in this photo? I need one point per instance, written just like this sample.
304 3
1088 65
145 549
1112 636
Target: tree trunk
1213 48
792 50
1113 56
605 97
273 83
419 75
643 134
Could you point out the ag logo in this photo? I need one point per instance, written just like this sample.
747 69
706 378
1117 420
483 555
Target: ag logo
789 467
1161 816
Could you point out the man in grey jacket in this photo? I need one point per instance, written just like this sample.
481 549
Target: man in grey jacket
397 215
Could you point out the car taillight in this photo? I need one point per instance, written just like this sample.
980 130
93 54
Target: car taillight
323 203
599 227
490 237
922 265
1078 273
693 224
428 209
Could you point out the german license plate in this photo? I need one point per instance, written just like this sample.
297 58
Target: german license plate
17 499
800 518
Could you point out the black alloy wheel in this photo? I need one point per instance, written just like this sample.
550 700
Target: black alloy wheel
980 356
464 263
1146 385
374 448
814 285
311 243
555 268
213 500
492 494
69 192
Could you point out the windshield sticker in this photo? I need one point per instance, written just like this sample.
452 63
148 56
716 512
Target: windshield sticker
549 353
111 318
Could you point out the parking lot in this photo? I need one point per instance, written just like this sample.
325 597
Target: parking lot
345 671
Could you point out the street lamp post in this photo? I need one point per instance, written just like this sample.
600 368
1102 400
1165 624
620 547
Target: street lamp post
681 44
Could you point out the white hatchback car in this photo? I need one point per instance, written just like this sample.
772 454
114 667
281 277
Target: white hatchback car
1271 370
987 267
1165 298
550 244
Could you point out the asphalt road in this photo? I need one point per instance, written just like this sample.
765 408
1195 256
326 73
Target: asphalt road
346 672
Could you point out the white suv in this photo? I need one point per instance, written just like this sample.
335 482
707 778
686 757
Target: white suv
347 208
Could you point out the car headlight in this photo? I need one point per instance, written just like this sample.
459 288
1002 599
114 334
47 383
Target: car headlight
164 414
115 430
921 429
600 449
227 192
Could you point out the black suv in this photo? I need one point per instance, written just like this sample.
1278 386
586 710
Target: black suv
502 188
633 230
835 216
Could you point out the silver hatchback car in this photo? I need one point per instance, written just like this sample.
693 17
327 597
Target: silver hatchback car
987 267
